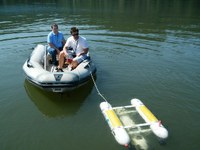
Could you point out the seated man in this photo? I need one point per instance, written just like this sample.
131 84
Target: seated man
75 48
56 41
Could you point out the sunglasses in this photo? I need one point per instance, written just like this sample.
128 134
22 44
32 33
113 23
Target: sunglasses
75 34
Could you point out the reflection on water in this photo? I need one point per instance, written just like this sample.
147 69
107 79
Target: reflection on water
57 104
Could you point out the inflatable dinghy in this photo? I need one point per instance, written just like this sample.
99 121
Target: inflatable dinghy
43 74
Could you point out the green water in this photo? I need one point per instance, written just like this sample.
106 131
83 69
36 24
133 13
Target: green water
148 49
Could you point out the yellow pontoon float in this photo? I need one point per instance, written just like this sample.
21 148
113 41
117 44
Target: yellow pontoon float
115 124
120 132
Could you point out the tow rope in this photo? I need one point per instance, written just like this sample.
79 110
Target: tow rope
95 85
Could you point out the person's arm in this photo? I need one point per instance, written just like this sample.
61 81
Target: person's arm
85 47
63 39
85 51
49 41
66 45
52 46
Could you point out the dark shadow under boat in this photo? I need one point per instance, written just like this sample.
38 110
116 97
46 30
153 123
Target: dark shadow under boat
58 104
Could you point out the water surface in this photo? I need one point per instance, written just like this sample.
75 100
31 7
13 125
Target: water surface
144 49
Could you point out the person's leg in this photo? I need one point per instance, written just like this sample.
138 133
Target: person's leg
77 60
53 55
74 64
61 59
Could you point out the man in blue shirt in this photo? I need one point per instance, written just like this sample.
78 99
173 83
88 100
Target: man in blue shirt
56 41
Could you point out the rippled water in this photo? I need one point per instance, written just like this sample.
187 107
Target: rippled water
146 50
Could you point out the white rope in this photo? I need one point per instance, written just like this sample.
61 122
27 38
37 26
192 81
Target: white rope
96 84
97 87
